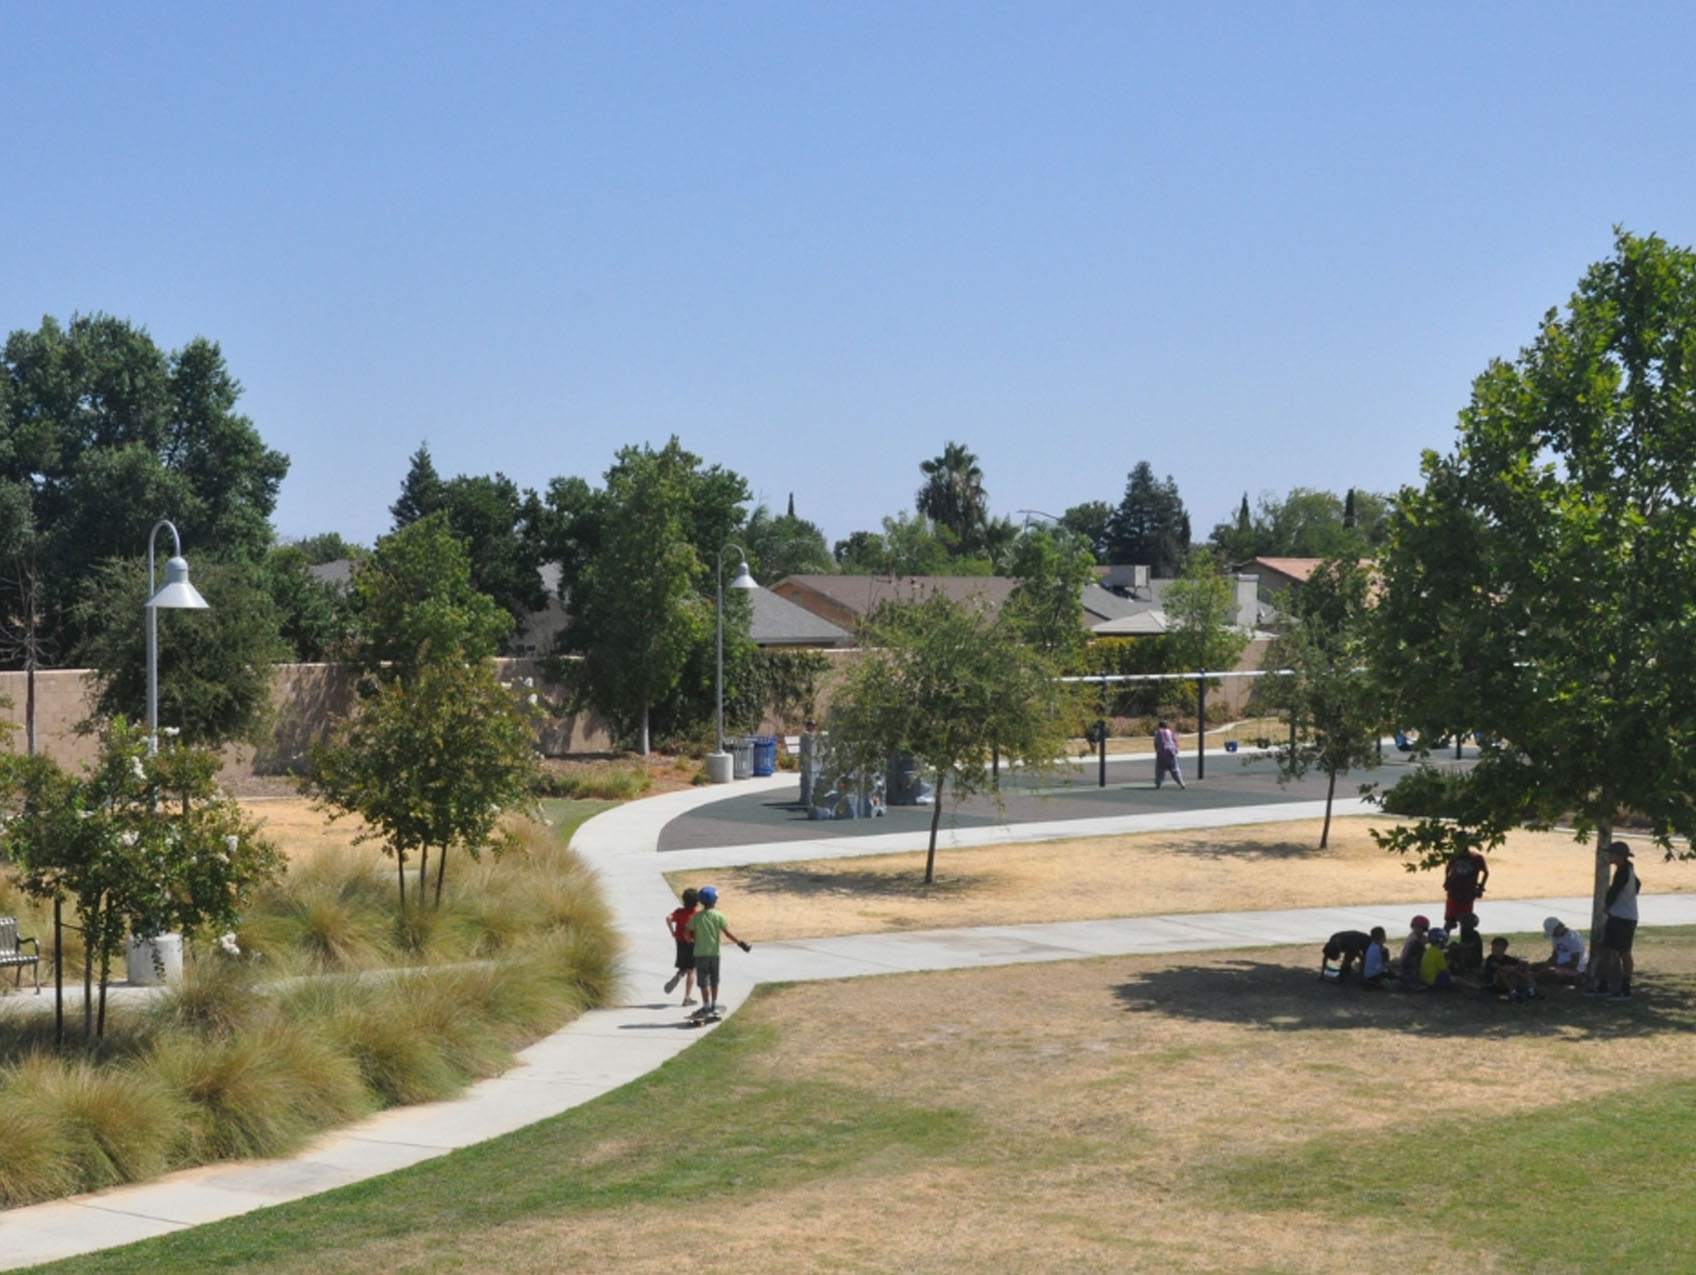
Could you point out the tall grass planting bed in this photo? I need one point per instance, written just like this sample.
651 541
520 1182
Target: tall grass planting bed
337 1008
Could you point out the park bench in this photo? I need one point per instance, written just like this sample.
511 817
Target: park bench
11 952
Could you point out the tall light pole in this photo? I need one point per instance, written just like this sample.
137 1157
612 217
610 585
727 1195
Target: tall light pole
175 594
719 764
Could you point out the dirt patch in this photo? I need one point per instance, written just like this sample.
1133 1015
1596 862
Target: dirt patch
1213 870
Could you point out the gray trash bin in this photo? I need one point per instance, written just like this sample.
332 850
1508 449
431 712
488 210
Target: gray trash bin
743 751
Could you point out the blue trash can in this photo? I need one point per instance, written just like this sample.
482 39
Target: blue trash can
765 754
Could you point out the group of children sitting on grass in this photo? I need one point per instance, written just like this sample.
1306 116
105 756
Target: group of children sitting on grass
1431 960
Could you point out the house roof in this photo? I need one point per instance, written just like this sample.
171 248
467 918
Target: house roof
1137 624
860 595
776 621
1297 569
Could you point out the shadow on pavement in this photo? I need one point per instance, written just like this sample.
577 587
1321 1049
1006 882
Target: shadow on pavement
856 884
1277 997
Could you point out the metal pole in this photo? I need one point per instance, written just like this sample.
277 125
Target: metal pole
1201 726
1102 746
153 634
718 733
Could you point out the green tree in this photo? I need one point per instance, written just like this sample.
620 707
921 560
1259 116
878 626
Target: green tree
1305 523
946 684
1329 697
784 545
420 491
326 547
414 600
314 617
1092 521
1046 607
953 497
1540 588
215 666
1150 525
499 524
641 596
1201 618
432 760
102 433
142 843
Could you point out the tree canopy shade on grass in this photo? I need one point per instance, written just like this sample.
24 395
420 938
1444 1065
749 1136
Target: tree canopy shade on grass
951 686
1328 693
1541 587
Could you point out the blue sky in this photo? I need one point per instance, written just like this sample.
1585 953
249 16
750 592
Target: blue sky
1258 246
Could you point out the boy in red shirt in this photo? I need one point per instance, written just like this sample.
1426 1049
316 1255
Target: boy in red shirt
678 924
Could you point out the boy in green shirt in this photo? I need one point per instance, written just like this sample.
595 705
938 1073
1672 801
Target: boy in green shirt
706 926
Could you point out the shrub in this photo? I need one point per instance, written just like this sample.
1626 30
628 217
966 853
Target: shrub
259 1093
112 1124
615 783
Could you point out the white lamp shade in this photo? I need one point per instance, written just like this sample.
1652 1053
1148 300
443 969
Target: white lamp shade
744 578
177 593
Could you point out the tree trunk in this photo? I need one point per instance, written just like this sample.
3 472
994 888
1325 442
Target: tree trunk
1599 899
643 742
105 977
400 873
87 986
423 874
441 870
1330 791
935 819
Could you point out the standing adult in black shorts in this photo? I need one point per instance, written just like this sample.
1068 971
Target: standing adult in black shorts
1620 926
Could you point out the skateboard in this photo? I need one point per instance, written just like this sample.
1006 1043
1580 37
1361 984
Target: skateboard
700 1018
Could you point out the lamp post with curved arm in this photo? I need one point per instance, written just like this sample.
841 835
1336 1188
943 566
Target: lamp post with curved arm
719 769
175 594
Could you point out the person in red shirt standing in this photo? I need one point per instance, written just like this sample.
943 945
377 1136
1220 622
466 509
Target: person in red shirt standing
678 924
1463 883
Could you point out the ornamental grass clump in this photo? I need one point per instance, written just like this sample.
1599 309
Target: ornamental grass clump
324 1006
111 1123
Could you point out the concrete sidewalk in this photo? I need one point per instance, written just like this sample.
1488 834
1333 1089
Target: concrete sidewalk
606 1049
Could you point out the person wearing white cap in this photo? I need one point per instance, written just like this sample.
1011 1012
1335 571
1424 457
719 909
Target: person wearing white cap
1566 953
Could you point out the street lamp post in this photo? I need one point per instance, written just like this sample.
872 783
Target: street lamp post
175 594
719 767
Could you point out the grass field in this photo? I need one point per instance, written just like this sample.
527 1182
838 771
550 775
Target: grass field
1224 1112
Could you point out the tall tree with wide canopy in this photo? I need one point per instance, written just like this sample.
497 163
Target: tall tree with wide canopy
638 561
498 522
953 496
1150 527
1541 587
101 434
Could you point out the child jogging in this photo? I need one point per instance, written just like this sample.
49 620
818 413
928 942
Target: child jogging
707 927
678 923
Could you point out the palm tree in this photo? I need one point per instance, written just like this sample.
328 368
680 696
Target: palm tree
953 494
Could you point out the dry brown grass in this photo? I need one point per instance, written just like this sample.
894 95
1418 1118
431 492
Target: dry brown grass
1211 870
1103 1092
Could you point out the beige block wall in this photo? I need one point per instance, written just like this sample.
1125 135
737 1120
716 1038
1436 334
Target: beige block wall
306 697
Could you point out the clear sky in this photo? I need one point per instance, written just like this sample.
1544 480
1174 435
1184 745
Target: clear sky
1258 245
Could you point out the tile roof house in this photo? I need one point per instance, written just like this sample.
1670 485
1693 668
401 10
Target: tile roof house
1121 604
846 600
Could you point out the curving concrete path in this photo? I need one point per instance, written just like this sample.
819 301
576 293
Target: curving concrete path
607 1048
